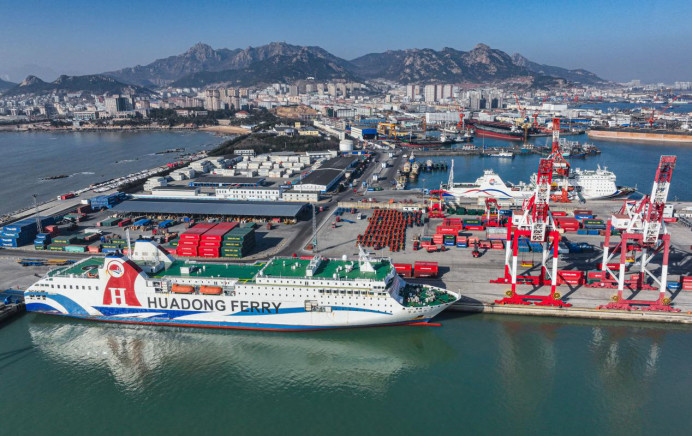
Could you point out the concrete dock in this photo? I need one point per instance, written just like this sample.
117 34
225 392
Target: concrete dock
460 271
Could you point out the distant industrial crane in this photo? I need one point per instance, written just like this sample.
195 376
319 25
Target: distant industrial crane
653 117
560 164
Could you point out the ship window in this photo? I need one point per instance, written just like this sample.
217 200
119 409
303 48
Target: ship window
52 286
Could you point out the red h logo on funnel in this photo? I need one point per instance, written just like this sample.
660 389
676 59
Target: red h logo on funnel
121 283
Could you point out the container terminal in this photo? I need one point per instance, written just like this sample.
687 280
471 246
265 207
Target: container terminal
604 259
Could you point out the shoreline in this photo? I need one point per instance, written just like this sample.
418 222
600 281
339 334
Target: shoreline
227 130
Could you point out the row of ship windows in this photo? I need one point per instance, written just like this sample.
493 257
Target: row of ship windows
334 291
84 288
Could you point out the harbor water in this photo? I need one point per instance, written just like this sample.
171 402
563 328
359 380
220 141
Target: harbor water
634 164
85 157
477 374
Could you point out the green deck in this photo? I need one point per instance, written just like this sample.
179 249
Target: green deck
224 270
327 269
78 269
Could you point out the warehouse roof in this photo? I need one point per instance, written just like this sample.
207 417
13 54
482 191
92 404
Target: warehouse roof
211 207
339 163
329 170
229 180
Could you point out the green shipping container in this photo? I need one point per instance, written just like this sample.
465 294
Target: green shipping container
75 248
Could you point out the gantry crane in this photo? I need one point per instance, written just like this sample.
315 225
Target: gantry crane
560 164
641 222
538 225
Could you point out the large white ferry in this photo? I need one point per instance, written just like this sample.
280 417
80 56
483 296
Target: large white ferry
489 185
593 184
150 287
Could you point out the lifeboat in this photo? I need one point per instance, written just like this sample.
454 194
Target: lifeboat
210 290
182 289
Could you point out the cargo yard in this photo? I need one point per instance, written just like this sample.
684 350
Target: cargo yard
251 208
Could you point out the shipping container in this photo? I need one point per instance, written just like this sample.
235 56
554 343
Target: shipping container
425 269
404 269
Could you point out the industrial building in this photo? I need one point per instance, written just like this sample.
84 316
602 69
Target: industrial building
256 193
213 208
221 181
325 177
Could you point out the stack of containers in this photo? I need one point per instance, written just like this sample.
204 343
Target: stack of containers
188 244
425 269
567 224
210 242
570 277
404 269
473 224
462 242
583 214
106 201
496 233
438 239
686 282
593 226
22 232
42 240
60 243
450 240
523 245
238 242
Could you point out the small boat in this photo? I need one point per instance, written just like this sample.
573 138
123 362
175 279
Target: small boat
502 154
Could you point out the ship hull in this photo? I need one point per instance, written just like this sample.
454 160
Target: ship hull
228 312
233 326
622 135
481 132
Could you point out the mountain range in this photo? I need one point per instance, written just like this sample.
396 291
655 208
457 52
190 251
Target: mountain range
4 84
202 65
94 83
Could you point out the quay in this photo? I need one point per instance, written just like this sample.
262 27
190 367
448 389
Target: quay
11 304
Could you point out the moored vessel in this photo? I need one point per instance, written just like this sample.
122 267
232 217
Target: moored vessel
150 287
644 135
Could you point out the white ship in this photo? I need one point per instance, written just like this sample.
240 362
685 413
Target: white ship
593 184
488 185
150 287
504 154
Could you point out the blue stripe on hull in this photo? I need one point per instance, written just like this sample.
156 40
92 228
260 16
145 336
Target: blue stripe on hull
226 325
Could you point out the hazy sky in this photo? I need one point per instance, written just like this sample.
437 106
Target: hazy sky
618 40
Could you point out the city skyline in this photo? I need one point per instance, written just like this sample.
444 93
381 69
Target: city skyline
615 41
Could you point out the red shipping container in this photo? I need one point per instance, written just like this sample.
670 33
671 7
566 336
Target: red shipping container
196 232
558 213
218 231
613 266
425 269
125 222
188 243
204 243
190 252
475 228
448 230
404 269
583 212
452 221
498 245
